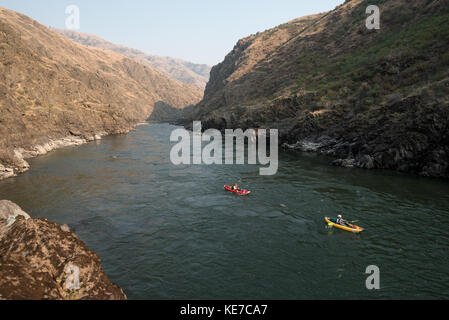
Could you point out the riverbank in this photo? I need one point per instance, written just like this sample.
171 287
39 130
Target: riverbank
407 135
19 164
40 260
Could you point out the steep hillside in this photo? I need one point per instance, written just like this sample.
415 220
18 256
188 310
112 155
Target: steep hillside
52 88
370 98
184 71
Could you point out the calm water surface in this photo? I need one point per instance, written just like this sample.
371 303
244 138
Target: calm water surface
167 232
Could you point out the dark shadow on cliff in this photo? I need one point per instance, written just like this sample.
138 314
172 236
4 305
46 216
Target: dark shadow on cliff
164 112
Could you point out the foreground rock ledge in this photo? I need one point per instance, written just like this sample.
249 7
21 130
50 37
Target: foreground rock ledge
40 260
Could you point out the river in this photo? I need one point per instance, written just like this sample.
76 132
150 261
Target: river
173 232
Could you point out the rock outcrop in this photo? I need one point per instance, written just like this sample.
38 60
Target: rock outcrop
407 136
9 212
6 172
369 98
40 260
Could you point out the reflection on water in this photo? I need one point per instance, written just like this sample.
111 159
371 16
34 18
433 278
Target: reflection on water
167 232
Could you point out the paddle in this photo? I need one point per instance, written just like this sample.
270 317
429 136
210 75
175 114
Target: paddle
354 228
332 223
352 221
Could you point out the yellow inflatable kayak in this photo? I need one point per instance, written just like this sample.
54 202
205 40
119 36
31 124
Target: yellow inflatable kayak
349 227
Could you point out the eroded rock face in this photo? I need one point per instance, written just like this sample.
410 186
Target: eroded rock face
9 212
6 172
40 260
326 85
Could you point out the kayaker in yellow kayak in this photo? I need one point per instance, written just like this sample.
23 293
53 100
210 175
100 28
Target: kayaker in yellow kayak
343 224
342 221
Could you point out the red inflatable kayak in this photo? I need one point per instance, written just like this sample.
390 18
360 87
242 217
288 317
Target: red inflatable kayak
242 192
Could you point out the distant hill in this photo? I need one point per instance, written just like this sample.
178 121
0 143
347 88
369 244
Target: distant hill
52 87
369 98
184 71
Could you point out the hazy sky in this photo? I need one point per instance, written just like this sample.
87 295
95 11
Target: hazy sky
201 31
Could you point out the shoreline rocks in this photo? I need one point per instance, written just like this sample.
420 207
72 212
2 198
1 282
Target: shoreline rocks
392 158
21 154
41 260
5 172
51 145
304 146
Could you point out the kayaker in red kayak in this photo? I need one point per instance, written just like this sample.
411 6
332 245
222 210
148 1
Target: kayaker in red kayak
235 188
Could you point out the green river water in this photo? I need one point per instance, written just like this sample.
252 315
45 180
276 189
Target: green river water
173 232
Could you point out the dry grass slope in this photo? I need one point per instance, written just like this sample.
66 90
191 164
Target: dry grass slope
378 99
52 87
190 73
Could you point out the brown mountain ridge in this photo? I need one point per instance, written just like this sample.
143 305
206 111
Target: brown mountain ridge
52 88
187 72
368 98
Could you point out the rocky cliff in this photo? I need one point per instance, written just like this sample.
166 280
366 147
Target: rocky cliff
369 98
40 260
55 92
187 72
